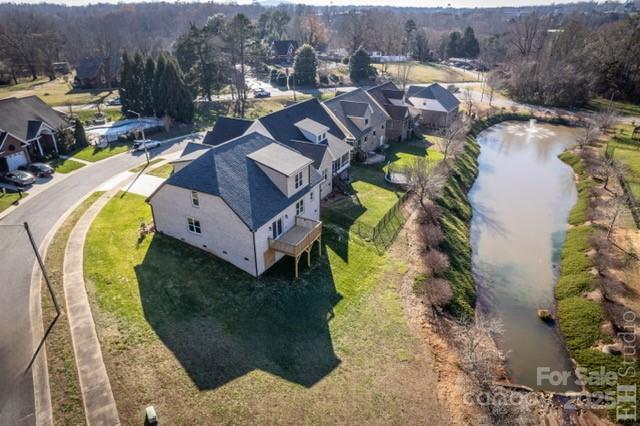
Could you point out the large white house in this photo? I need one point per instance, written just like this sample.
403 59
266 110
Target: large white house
250 201
307 127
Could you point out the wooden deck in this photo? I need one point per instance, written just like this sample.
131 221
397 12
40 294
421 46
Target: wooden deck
299 240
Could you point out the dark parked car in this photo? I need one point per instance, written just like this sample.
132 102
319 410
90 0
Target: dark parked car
19 178
38 169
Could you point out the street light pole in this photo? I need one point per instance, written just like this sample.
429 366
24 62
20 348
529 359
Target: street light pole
144 140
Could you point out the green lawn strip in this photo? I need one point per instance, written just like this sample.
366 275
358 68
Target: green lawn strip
578 214
625 108
163 171
94 153
222 326
65 165
143 166
9 198
66 397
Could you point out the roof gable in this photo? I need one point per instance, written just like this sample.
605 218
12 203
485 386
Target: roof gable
357 103
23 117
226 128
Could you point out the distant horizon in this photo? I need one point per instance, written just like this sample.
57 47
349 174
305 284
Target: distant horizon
454 4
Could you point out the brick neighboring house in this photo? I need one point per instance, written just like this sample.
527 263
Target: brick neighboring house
249 201
27 131
433 105
307 127
94 73
363 117
400 124
284 51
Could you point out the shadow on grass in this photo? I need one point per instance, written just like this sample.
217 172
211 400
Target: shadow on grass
221 323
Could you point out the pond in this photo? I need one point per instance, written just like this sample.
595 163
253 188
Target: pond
521 201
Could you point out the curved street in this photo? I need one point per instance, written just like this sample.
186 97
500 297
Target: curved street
42 212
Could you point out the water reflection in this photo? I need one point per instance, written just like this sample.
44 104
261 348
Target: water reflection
521 201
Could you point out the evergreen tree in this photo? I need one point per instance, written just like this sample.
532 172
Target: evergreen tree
179 104
470 47
125 81
305 65
360 65
136 85
79 135
147 94
159 97
409 40
453 48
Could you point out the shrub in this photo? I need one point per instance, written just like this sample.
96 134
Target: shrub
579 322
436 261
438 292
431 235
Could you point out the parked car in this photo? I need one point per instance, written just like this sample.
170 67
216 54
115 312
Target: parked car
139 145
261 93
38 169
114 102
19 178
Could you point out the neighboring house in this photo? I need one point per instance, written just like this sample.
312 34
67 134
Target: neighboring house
61 68
284 50
27 131
249 201
433 105
307 127
400 124
94 73
364 118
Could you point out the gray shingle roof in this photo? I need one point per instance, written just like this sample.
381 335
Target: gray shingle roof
226 171
88 67
191 152
226 128
355 109
436 92
22 117
386 91
310 150
280 158
356 99
281 47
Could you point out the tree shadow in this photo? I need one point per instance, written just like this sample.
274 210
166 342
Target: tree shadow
221 323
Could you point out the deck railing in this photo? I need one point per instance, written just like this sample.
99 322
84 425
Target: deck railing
314 230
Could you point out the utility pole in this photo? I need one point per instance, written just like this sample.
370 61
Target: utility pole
144 140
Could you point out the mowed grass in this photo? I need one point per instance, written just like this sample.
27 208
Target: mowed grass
65 165
402 154
94 153
206 343
627 151
56 93
8 199
112 113
625 108
163 171
430 73
144 166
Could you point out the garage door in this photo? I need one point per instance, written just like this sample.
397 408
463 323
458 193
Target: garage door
16 160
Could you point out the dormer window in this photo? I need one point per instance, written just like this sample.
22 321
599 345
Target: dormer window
298 180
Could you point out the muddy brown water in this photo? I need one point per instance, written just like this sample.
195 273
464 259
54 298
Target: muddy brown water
521 201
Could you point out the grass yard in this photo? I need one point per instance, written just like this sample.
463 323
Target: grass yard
112 113
403 153
163 171
627 152
66 397
62 165
7 200
624 108
56 93
94 153
206 343
143 166
430 73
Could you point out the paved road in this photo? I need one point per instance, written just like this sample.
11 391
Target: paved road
41 212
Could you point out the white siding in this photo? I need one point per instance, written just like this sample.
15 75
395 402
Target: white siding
223 233
326 187
288 216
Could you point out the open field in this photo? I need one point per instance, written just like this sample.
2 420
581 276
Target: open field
429 73
205 342
56 93
62 165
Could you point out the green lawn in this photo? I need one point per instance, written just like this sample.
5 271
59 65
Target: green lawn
205 342
112 113
163 171
143 166
62 165
627 152
8 199
401 154
56 93
93 153
430 72
625 108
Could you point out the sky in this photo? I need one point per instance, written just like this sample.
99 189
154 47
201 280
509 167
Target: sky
409 3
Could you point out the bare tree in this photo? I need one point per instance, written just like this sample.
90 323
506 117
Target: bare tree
527 33
610 168
451 137
618 202
468 100
605 119
590 134
403 72
425 180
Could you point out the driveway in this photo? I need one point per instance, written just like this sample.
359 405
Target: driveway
41 211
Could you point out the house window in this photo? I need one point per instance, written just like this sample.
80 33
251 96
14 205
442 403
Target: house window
300 207
374 133
311 195
276 228
366 121
325 174
365 138
382 127
195 201
298 182
194 225
345 159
